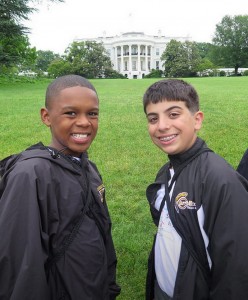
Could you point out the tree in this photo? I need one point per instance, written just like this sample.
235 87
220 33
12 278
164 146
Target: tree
44 58
16 51
12 13
204 49
181 59
154 74
59 67
206 67
231 39
12 32
111 73
88 59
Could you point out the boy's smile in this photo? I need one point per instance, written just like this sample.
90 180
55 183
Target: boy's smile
172 127
73 119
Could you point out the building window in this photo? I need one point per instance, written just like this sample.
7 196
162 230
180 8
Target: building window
149 50
125 66
142 50
134 65
142 66
125 51
149 65
157 51
157 65
134 50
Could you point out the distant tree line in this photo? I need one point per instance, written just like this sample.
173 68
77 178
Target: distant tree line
229 49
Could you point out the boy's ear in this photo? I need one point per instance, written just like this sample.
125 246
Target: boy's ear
44 114
199 116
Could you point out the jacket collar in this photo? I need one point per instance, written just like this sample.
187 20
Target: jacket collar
177 159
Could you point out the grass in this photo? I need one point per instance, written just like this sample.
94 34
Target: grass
124 154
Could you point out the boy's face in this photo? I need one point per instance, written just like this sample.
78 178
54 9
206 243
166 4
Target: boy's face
73 119
172 127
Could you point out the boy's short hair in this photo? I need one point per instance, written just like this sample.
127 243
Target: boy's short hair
63 82
172 90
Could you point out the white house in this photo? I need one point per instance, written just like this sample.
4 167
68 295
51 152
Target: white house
135 54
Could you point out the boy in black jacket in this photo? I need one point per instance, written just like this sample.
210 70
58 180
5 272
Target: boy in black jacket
199 203
54 223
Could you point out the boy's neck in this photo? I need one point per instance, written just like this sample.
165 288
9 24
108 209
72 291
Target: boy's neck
178 159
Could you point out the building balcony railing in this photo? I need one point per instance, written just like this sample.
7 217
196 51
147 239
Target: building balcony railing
133 54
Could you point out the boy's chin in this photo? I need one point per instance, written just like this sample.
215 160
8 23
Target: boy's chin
168 150
76 152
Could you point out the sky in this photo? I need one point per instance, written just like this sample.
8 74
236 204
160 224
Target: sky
55 25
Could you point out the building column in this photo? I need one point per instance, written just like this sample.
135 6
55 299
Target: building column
146 66
151 59
122 66
116 58
139 66
130 60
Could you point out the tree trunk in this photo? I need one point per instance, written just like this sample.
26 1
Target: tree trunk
236 70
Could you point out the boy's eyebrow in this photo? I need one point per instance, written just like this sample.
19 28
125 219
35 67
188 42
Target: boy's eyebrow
167 110
151 114
73 107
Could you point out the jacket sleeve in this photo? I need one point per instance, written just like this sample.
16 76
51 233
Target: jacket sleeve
22 255
225 205
104 222
114 288
243 165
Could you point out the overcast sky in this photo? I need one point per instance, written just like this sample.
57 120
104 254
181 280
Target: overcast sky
55 26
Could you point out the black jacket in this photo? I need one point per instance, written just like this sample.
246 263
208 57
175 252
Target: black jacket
42 195
221 193
243 165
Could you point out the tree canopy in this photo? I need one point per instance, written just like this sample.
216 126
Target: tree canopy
43 60
88 59
181 59
231 41
13 12
13 37
14 51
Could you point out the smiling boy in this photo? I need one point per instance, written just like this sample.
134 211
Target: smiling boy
54 223
172 126
72 124
199 203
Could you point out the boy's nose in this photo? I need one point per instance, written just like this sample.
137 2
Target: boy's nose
83 121
163 124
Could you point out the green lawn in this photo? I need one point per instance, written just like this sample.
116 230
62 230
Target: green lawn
124 153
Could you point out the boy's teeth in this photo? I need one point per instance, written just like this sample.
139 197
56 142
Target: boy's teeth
168 138
80 135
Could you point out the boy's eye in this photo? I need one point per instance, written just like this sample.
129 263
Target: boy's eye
93 114
152 120
70 113
173 115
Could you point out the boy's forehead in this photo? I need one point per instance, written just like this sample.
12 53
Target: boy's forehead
76 89
72 92
74 96
165 105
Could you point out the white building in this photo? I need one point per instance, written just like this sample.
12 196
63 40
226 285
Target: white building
135 54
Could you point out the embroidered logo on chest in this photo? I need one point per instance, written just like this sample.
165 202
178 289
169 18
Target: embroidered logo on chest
101 190
181 202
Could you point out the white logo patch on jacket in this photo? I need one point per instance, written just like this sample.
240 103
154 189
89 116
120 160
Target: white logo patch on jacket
183 203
